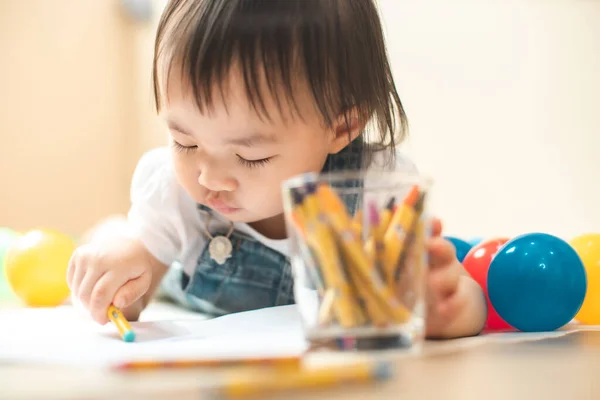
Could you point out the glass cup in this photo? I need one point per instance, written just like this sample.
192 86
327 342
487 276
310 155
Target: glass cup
359 259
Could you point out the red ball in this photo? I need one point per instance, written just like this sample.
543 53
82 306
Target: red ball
477 262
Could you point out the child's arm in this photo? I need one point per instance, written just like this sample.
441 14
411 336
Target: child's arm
124 265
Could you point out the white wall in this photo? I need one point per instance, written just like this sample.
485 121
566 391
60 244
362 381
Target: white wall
516 80
502 100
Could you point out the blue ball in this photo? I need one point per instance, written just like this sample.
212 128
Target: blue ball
537 282
462 247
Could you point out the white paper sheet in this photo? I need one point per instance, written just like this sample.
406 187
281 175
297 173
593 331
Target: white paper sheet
64 336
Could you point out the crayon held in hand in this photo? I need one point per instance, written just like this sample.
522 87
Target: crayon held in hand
117 318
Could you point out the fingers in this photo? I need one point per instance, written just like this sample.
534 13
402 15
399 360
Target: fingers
89 281
71 270
441 252
451 306
445 270
95 275
78 274
102 296
436 227
84 273
130 292
443 282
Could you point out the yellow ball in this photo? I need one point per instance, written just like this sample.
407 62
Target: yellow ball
588 248
36 267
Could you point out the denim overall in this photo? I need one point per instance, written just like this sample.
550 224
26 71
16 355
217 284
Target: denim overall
255 276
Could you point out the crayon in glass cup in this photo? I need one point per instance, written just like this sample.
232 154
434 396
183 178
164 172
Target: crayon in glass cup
358 254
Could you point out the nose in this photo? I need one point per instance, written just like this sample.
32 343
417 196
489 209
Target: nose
215 181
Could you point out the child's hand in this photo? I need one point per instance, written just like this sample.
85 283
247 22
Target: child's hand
118 272
455 303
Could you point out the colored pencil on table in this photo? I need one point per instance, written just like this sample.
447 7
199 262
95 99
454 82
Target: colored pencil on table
276 362
246 385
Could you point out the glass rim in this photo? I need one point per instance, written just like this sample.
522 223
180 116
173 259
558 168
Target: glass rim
391 177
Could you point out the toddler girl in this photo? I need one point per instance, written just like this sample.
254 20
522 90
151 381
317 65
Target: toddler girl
254 92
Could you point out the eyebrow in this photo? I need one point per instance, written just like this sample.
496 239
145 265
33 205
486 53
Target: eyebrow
248 141
175 126
252 140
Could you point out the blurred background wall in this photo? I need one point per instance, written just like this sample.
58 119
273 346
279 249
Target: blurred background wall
501 98
75 110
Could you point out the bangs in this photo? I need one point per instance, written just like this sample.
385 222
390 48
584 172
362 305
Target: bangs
265 42
333 48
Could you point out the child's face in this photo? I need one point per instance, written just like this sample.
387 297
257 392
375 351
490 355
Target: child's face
232 161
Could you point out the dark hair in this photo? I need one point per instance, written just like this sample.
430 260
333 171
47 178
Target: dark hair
336 46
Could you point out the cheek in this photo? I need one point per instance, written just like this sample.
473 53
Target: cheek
305 157
187 175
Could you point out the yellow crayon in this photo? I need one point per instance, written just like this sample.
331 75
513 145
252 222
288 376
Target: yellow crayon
325 312
352 247
370 308
375 313
357 222
409 240
299 220
298 216
311 204
321 240
117 318
412 266
395 235
385 217
243 384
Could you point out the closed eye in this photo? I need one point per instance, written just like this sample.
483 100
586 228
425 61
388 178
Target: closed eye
183 149
254 163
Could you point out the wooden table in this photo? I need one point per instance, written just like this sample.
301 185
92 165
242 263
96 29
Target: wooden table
559 368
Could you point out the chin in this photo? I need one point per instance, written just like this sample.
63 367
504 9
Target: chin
247 216
240 215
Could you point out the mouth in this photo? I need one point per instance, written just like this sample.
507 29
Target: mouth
222 207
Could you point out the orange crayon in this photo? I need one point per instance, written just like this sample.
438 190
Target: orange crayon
395 235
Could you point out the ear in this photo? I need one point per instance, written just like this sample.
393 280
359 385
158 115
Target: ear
345 129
